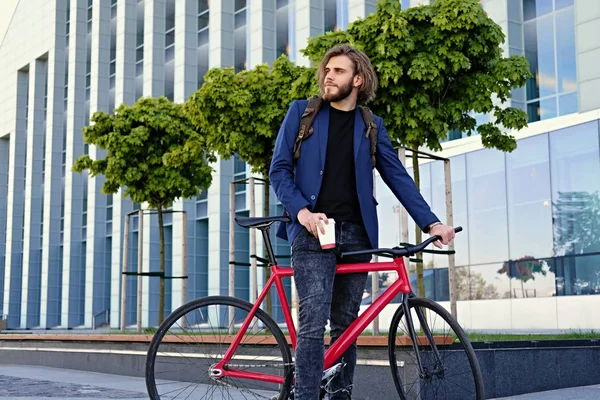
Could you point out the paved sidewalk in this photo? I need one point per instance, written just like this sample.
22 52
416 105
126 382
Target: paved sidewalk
43 383
579 393
40 383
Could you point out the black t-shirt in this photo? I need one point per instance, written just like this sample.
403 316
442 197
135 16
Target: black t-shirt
338 198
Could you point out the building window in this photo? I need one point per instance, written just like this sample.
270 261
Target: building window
139 50
202 51
239 172
240 48
113 56
170 50
282 31
549 35
331 15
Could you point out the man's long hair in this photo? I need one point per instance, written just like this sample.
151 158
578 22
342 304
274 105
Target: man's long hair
362 67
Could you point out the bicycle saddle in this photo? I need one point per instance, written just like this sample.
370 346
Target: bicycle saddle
260 222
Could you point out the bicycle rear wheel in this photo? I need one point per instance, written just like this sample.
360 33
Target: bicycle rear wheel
196 336
453 375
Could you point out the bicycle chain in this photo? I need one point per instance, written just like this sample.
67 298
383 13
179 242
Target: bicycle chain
260 365
219 381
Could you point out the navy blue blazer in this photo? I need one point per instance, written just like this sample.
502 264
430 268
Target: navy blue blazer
297 184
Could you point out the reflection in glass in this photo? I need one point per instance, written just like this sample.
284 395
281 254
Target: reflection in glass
515 35
486 186
282 30
330 15
568 104
202 6
240 48
388 215
533 111
203 20
202 57
578 275
536 8
140 24
575 167
485 283
459 208
169 79
560 4
565 51
548 108
529 199
539 50
530 277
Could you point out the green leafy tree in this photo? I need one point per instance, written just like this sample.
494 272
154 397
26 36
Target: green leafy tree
437 65
241 112
154 153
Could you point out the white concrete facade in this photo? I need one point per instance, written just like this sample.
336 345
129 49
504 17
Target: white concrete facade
61 239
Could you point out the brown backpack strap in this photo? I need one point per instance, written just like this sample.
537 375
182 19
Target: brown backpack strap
308 117
369 120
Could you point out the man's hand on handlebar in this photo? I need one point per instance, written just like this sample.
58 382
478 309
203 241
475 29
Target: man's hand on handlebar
445 232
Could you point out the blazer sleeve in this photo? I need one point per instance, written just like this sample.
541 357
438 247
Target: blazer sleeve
281 173
399 181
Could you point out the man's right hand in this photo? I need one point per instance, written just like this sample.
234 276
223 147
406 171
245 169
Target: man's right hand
312 221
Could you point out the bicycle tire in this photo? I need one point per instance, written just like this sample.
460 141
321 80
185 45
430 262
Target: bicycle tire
175 381
452 354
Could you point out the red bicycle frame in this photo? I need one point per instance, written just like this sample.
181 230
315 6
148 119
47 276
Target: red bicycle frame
335 351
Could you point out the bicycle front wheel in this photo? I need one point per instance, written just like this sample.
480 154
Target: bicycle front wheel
449 368
195 337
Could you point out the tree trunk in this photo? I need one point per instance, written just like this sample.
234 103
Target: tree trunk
161 296
269 300
418 232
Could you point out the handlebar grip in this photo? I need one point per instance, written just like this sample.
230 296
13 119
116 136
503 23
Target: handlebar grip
458 229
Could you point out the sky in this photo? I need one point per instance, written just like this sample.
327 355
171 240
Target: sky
7 7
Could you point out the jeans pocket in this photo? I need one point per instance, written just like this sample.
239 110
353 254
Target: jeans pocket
305 241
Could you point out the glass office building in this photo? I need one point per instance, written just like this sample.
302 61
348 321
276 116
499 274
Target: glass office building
530 253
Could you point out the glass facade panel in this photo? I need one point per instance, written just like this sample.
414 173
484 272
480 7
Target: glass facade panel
550 49
330 15
568 104
536 8
282 29
202 5
529 277
539 50
565 50
486 282
459 208
548 108
389 216
529 199
577 275
240 37
486 188
560 4
575 168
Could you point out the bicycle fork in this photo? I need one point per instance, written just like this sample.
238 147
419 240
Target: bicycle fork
414 339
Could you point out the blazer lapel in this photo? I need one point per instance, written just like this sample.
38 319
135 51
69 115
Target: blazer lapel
322 125
359 131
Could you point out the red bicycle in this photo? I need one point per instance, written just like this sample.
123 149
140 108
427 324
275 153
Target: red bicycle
222 347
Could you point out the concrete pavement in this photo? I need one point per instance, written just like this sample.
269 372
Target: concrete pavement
43 383
40 383
579 393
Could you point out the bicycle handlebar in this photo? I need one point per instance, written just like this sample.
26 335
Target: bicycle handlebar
399 251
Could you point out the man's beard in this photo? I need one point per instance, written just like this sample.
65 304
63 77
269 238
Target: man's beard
343 92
